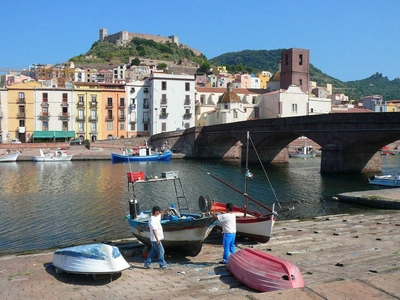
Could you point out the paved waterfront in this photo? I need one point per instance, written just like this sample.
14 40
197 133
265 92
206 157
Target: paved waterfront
340 257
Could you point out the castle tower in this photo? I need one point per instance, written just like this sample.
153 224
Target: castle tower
102 33
295 68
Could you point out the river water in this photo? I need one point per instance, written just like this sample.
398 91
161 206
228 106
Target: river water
47 205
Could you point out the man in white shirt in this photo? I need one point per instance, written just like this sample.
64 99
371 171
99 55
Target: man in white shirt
228 224
156 235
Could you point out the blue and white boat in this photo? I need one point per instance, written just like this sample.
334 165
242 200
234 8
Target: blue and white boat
89 259
144 154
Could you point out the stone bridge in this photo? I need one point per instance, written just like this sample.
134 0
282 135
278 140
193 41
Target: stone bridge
350 142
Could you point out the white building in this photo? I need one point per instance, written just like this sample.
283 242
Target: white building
374 103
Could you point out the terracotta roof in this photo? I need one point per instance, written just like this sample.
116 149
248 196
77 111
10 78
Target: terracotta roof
229 97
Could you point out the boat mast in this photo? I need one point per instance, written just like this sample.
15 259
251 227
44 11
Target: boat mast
245 176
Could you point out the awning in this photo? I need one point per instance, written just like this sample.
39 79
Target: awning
53 134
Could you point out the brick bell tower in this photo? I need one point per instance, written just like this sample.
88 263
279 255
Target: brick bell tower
295 68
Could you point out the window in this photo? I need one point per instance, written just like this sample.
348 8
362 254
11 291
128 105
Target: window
163 127
286 59
256 112
122 126
133 126
122 102
300 59
145 103
109 114
65 111
164 98
146 117
110 125
94 99
202 99
45 126
64 97
80 99
109 102
294 108
187 125
81 127
21 95
93 127
64 125
187 86
300 82
253 100
44 97
235 114
21 123
81 114
312 110
163 85
93 114
146 126
121 114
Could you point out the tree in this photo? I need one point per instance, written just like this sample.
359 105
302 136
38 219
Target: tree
135 62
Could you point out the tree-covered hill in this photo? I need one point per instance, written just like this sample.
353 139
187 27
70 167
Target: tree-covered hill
254 61
251 61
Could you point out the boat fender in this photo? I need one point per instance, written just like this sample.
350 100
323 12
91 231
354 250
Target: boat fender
205 203
133 208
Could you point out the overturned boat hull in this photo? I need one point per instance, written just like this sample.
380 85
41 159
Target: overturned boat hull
90 259
264 272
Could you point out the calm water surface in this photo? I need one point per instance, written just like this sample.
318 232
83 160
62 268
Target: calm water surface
46 205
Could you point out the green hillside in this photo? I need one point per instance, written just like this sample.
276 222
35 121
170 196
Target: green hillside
251 61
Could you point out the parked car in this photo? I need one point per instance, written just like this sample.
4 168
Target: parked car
75 142
15 141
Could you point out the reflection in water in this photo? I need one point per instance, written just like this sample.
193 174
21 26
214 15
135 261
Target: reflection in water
58 204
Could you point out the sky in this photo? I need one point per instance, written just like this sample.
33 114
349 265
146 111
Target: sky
348 39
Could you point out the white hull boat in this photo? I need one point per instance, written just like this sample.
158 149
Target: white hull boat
385 180
9 157
53 156
89 259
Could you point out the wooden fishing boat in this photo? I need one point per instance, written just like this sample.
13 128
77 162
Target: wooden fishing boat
89 259
184 231
385 180
7 157
145 155
52 156
255 225
264 272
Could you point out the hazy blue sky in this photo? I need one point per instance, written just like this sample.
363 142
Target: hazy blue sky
347 39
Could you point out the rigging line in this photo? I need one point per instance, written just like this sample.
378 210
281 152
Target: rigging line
265 172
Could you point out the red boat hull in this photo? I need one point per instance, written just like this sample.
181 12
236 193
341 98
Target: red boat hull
264 272
254 225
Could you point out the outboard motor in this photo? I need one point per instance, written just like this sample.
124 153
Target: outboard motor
133 208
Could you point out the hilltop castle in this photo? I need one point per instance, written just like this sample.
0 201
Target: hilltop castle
123 38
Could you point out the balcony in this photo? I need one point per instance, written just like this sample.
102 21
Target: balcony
80 104
163 102
109 118
64 104
163 115
93 104
44 115
80 118
187 102
21 100
121 118
64 116
109 105
121 105
21 115
44 104
187 115
93 118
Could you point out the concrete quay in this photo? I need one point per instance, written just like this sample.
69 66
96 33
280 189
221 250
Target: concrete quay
340 257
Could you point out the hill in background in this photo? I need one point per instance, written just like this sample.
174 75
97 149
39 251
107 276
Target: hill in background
251 61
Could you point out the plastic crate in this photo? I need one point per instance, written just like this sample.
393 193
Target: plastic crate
134 176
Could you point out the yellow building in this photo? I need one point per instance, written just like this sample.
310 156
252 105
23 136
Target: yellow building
88 110
21 99
393 106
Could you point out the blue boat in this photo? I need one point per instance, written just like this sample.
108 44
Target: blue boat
146 155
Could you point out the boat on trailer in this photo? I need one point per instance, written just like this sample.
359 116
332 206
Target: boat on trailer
184 231
92 259
264 272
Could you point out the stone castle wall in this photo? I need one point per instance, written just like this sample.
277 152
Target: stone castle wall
123 38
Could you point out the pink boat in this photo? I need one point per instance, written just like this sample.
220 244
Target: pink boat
264 272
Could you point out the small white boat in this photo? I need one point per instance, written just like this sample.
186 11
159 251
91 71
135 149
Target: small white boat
7 157
303 152
385 180
57 155
89 259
